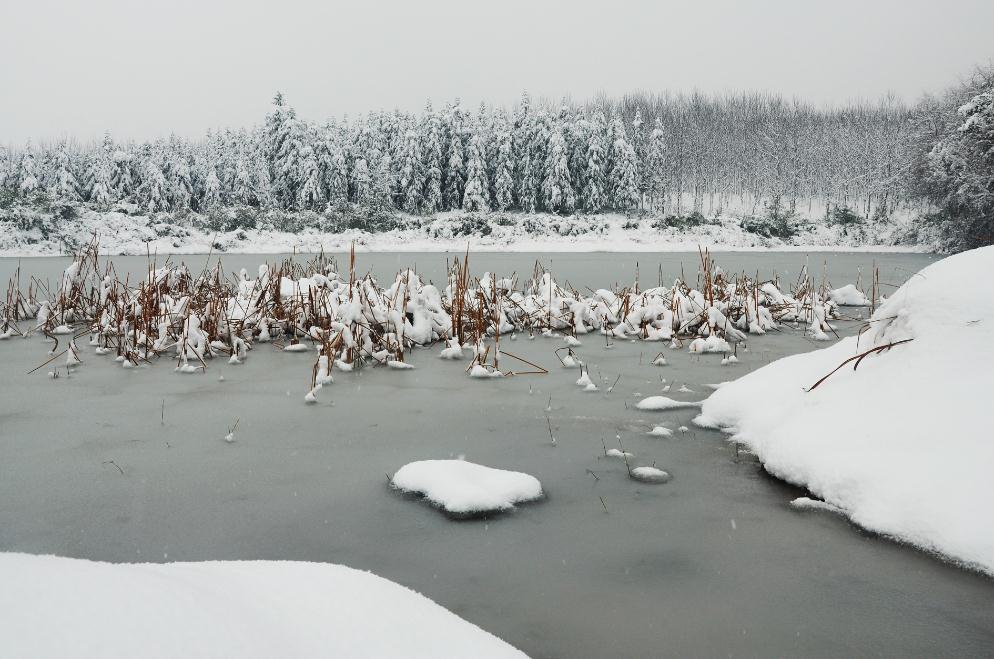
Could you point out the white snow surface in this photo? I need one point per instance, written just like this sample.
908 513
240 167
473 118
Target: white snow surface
63 607
464 487
903 443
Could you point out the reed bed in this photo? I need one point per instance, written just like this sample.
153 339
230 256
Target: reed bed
349 321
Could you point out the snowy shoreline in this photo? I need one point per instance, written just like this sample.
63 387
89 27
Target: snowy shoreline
897 445
127 234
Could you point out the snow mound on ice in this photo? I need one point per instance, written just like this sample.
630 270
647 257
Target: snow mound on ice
650 475
849 296
296 347
661 403
863 438
63 607
462 487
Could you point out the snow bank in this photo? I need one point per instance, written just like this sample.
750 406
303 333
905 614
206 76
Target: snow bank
462 487
901 444
521 232
62 607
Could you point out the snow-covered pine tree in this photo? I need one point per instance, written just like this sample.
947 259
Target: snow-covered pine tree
63 184
594 188
361 182
6 170
100 190
557 188
655 167
528 190
411 181
383 183
455 175
152 193
615 131
284 142
122 178
338 177
477 193
431 152
242 191
533 174
212 191
624 176
176 169
27 172
503 170
309 189
520 138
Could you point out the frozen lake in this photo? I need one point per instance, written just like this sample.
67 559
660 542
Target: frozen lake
714 562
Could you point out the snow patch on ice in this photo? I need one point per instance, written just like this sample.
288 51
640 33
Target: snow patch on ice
463 487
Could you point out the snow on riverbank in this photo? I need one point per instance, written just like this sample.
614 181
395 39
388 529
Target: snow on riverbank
61 607
34 234
902 444
462 487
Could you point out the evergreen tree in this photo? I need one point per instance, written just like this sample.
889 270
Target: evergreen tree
27 172
338 178
655 167
242 191
520 139
432 155
624 176
411 181
557 188
122 179
477 193
309 177
212 191
361 182
532 174
593 196
455 181
63 184
504 171
382 188
152 193
6 173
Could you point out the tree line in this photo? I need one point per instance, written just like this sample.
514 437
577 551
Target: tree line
652 153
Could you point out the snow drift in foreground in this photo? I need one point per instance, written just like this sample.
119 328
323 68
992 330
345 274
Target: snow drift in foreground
62 607
902 444
462 487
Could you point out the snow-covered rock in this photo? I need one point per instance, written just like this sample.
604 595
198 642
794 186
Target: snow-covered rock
902 443
63 607
462 487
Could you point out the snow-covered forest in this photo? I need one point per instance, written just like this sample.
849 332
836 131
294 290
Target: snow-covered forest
774 164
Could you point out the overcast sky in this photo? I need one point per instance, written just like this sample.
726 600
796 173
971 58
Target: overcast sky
72 68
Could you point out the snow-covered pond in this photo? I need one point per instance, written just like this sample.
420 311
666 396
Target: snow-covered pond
132 465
